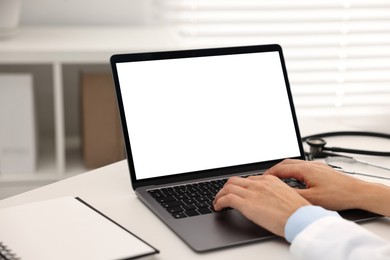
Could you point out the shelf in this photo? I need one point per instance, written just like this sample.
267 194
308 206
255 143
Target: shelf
46 165
56 56
82 44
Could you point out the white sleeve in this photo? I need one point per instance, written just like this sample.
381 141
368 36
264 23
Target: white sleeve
336 238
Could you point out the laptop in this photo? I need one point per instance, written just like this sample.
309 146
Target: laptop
193 118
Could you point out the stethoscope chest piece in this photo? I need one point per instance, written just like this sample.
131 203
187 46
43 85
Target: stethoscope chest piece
316 145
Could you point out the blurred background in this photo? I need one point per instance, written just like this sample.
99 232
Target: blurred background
57 106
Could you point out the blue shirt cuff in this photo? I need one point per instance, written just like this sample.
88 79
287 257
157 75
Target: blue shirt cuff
302 218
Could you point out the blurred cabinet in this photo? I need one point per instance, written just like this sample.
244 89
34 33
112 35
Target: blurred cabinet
61 60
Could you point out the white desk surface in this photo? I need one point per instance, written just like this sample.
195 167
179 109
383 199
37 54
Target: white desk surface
109 190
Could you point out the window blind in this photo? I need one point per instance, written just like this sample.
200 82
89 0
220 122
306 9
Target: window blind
337 51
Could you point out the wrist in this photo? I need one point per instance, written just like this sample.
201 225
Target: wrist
371 198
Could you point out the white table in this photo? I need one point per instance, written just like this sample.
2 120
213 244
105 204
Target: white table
109 190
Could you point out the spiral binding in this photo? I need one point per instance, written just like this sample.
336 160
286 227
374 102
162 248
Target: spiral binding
6 253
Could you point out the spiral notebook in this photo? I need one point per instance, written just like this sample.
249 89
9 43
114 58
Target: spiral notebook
65 228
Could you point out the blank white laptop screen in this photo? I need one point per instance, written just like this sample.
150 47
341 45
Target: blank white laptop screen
193 114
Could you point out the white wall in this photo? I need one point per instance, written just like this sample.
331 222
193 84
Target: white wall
85 12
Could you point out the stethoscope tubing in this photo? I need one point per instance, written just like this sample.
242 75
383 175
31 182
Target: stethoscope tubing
351 133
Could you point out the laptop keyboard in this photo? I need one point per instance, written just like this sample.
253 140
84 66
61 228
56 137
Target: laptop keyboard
195 199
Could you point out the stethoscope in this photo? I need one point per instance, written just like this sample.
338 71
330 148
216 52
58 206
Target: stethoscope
318 149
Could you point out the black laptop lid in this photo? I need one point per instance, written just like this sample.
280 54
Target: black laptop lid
199 113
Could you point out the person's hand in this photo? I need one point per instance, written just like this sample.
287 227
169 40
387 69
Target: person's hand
265 200
326 187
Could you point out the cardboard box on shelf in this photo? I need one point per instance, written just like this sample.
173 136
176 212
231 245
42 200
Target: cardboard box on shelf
102 137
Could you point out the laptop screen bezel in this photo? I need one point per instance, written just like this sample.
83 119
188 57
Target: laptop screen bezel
150 56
